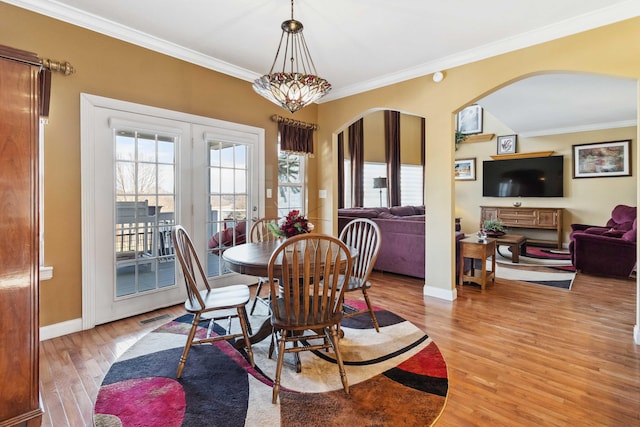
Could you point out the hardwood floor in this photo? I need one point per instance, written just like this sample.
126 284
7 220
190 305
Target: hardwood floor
517 354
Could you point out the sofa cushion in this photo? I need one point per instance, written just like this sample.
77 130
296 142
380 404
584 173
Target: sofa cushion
360 212
631 235
403 210
387 215
622 218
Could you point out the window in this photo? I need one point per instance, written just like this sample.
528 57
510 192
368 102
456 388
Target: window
290 182
374 196
411 187
411 184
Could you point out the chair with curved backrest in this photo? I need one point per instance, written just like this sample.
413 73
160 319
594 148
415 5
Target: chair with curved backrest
260 233
306 300
208 300
364 235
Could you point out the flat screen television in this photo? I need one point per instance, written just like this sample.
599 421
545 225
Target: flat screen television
528 177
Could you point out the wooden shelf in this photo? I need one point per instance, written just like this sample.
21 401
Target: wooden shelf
522 155
481 137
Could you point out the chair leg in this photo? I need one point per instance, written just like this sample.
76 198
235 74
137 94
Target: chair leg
245 326
373 316
255 300
187 346
333 338
276 383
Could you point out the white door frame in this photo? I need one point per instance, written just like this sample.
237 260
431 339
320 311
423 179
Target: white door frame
88 109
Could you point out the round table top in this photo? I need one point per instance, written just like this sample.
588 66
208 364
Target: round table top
253 258
250 258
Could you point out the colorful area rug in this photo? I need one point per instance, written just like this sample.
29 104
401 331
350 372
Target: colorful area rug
542 266
396 377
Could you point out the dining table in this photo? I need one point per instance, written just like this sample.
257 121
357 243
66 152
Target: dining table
252 259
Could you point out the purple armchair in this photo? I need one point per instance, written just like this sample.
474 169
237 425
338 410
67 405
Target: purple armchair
608 250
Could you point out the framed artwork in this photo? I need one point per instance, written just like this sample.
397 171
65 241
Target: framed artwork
470 120
465 169
602 159
507 144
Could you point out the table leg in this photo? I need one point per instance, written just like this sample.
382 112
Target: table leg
261 334
515 253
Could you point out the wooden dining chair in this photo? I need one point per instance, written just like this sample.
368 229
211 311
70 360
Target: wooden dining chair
306 304
364 235
209 300
260 233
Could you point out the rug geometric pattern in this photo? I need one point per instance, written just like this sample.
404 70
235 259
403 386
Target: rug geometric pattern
547 267
396 377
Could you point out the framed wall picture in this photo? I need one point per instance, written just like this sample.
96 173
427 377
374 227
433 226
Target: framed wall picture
470 120
465 169
507 144
602 159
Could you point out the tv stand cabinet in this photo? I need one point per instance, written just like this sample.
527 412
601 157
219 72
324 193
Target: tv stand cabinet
532 218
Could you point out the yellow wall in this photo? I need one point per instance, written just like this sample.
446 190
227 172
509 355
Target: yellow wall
116 69
595 51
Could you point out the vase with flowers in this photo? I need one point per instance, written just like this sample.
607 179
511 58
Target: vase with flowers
291 225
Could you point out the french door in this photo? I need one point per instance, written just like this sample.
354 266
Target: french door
145 170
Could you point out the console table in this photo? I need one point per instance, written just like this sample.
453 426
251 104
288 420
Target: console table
533 218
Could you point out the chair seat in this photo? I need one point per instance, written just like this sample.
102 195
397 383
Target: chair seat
356 283
309 323
221 298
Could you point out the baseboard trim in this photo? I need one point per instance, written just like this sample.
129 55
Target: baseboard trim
60 329
445 294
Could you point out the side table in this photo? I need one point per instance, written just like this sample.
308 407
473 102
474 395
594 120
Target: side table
470 247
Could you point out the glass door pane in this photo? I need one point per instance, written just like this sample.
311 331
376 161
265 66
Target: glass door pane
228 207
145 200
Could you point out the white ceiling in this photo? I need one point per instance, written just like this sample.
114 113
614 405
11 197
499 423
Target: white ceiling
358 45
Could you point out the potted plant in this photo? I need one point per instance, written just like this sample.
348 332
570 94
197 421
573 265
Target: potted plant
494 227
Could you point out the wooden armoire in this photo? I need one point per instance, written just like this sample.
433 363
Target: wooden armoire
20 103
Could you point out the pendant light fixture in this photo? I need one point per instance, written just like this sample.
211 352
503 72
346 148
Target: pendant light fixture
298 84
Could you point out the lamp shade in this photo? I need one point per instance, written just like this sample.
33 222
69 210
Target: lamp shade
380 182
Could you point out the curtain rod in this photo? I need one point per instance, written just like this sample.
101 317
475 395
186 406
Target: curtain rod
295 123
63 67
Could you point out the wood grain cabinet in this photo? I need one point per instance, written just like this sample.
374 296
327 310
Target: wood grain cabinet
19 252
532 218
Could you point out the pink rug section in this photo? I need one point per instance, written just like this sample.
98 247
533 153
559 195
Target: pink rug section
143 402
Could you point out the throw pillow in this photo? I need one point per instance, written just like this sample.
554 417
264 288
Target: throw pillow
402 210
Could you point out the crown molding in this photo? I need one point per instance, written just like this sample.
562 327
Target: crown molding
582 128
601 17
62 12
578 24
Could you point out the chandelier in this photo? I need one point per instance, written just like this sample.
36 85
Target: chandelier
298 84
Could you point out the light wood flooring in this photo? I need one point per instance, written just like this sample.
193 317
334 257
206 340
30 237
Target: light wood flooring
517 354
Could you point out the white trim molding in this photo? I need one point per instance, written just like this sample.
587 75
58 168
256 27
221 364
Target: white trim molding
445 294
60 329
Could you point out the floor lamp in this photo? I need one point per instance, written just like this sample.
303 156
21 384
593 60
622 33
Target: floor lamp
380 183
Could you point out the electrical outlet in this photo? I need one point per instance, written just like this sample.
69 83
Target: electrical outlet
269 195
322 194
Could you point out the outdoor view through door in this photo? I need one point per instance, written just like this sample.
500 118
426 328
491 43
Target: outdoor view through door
145 170
228 201
145 212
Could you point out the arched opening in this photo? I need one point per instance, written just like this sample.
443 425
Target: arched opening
552 113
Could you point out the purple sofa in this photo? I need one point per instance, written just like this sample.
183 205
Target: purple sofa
403 234
608 250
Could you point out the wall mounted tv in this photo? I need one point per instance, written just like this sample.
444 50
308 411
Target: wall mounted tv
526 177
